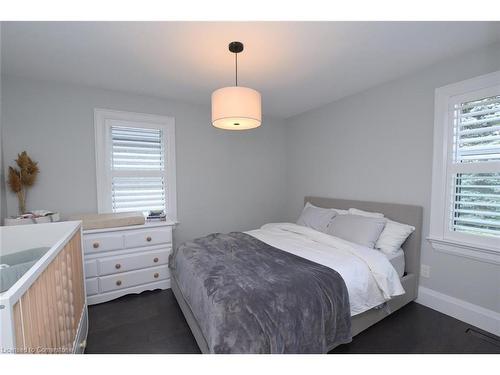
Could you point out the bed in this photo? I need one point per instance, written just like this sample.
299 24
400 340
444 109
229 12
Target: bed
358 321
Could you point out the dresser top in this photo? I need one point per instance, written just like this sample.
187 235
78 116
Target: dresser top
147 225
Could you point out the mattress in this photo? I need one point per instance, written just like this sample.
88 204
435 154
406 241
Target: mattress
398 261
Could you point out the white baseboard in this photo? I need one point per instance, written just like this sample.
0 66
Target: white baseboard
478 316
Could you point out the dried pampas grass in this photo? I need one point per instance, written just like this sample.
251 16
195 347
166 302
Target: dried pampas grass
15 180
25 176
28 168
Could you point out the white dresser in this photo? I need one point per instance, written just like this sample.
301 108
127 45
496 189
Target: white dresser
126 260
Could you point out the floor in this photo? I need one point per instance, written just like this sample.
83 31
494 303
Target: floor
152 322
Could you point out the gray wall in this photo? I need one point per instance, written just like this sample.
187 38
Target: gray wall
225 180
377 145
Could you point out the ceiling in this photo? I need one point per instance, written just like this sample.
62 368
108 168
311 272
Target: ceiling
297 66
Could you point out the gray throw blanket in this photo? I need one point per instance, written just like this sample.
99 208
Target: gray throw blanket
249 297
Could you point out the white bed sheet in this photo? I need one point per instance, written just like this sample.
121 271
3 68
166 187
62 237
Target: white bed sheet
397 260
370 278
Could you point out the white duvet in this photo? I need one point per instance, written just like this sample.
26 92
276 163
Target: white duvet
369 276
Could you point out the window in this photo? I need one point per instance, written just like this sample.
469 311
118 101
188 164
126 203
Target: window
135 156
466 172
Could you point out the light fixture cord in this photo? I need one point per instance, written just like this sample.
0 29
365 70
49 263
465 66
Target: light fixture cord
236 59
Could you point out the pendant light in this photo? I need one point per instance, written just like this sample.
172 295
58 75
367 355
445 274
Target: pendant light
236 107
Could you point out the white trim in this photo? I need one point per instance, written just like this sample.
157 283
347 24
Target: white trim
103 178
441 237
482 253
478 316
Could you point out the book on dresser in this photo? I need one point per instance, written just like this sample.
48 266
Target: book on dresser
125 260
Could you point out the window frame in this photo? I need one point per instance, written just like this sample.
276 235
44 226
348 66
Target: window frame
442 238
103 120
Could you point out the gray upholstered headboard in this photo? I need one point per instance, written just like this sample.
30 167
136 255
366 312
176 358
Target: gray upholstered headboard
411 215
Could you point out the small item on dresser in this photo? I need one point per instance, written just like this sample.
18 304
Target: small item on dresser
33 217
157 215
112 220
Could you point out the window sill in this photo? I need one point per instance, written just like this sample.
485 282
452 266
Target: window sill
478 252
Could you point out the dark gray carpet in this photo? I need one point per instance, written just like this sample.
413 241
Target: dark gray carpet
152 322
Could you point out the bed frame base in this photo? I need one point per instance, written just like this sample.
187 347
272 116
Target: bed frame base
190 319
364 320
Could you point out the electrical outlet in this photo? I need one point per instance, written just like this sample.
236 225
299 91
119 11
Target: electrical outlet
425 271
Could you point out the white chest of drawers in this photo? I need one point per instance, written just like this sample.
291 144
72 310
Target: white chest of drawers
126 260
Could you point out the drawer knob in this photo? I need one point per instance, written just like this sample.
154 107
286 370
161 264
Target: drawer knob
155 260
95 245
118 266
118 282
156 275
148 238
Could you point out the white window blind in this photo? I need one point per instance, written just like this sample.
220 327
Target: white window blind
475 173
138 194
135 162
477 130
137 148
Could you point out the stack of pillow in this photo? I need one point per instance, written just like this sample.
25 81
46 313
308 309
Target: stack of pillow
370 229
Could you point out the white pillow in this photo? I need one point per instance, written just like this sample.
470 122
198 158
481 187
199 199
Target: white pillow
393 236
316 218
355 211
340 212
359 229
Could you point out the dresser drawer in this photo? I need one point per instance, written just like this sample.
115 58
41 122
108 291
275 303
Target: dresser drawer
148 237
92 286
90 268
131 262
133 278
98 243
